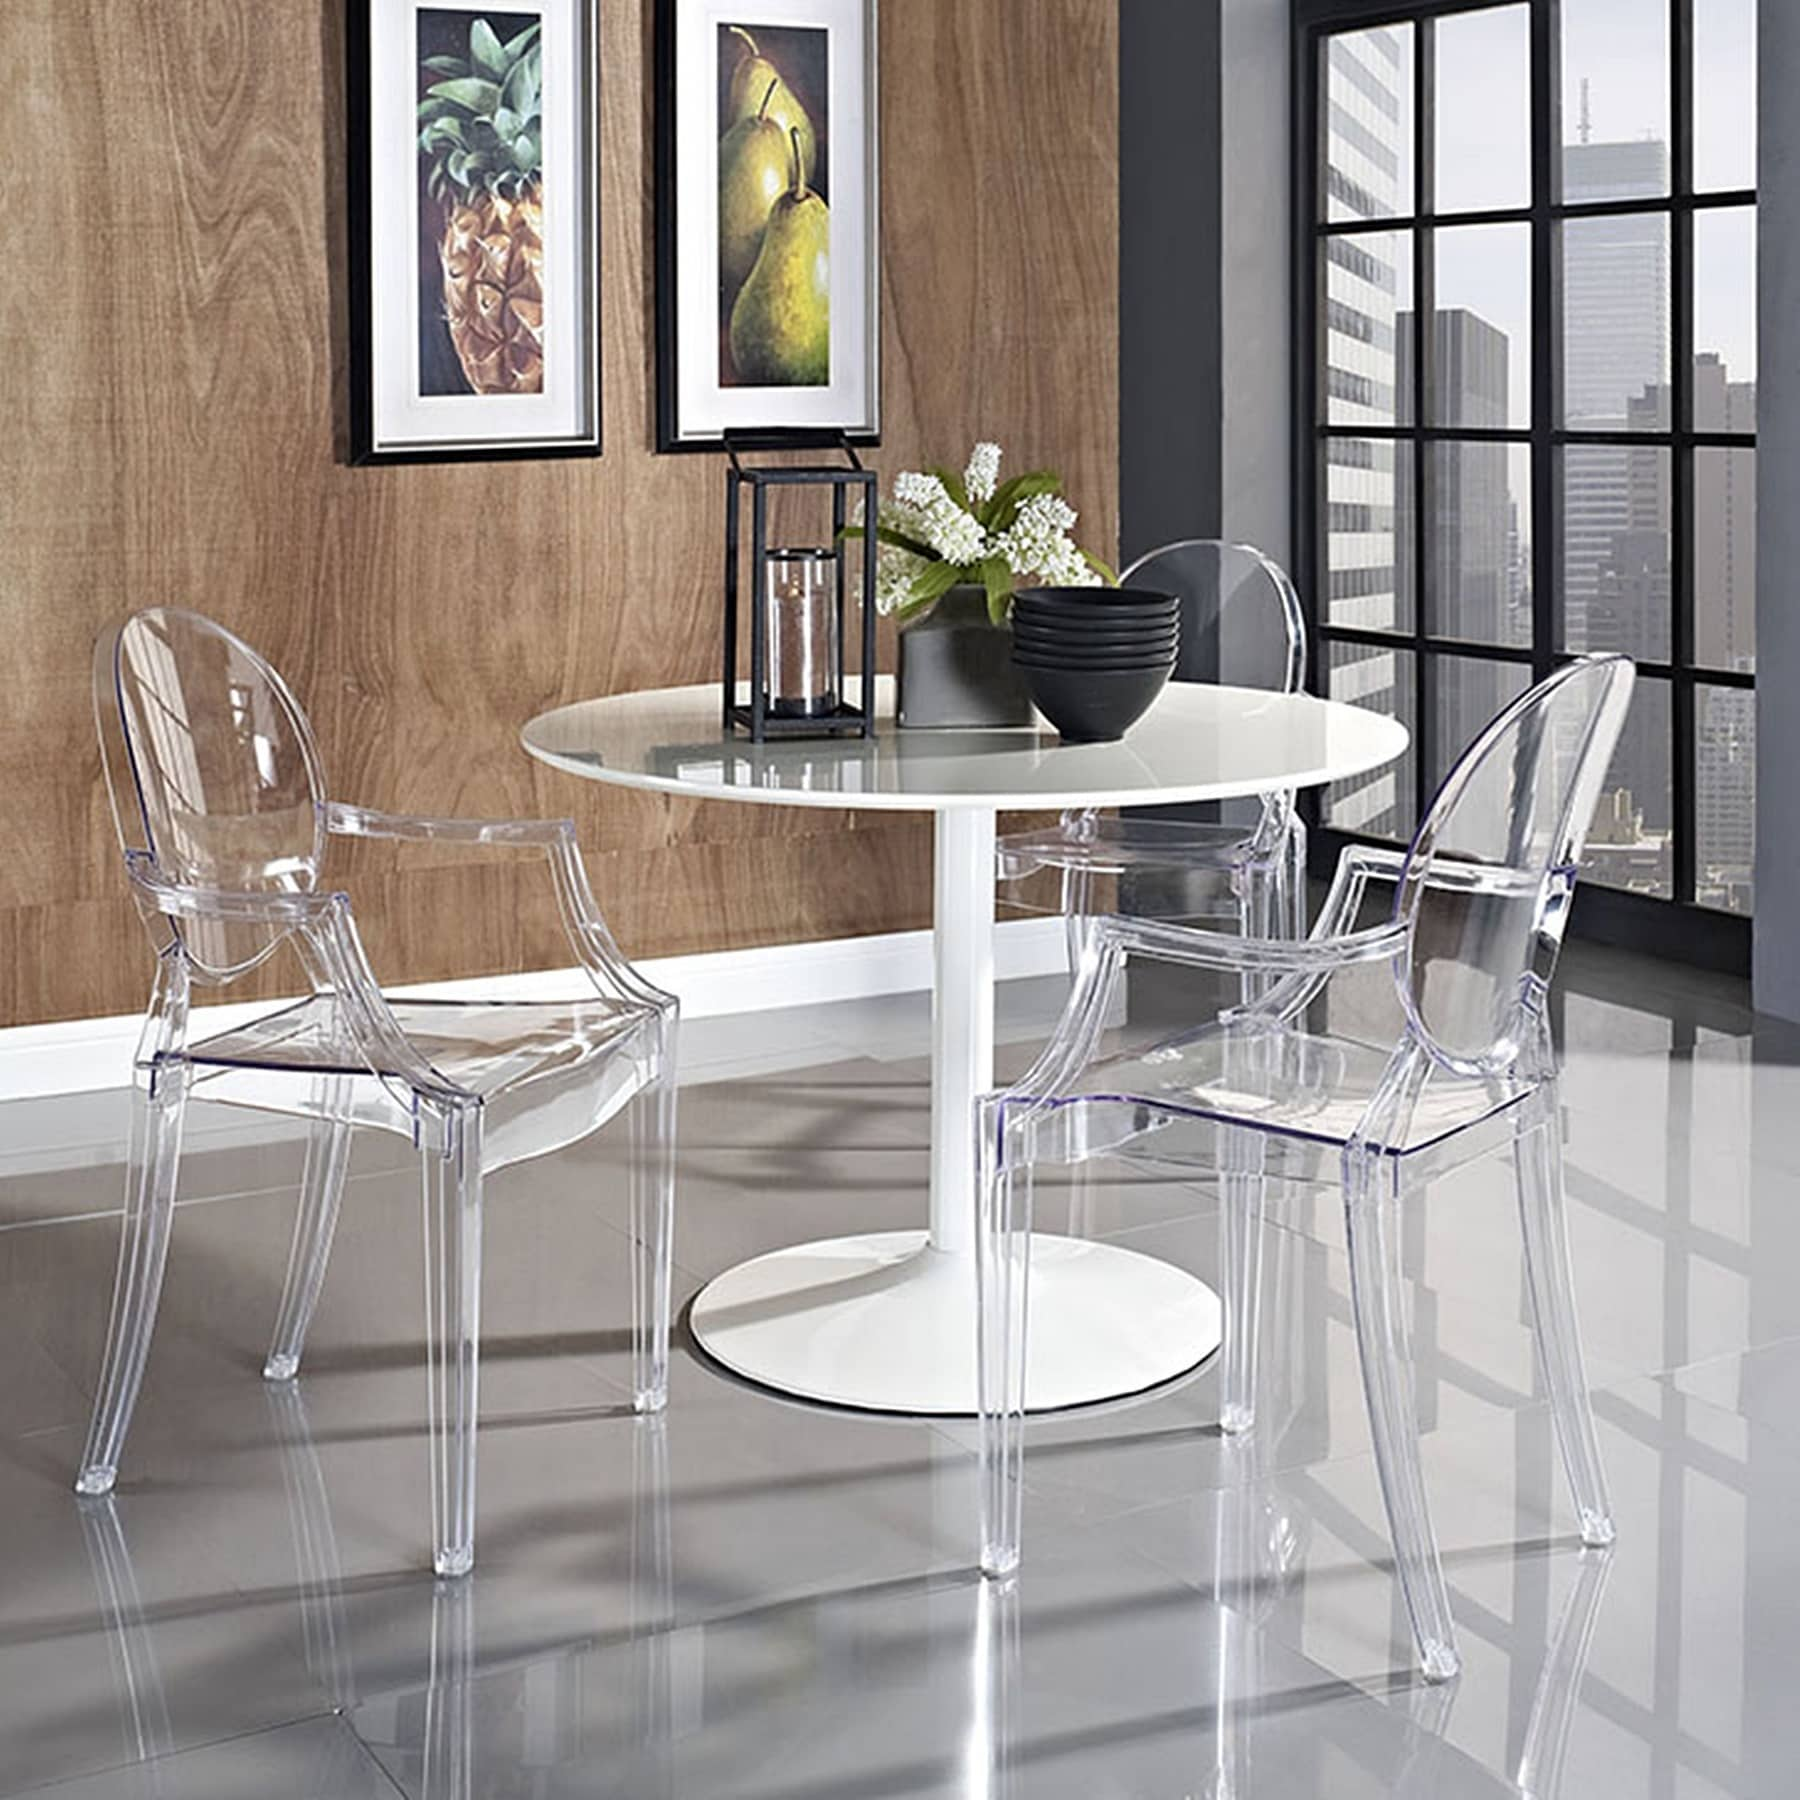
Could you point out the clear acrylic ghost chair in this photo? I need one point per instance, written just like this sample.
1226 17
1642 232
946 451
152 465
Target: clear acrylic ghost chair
1242 625
220 804
1467 1066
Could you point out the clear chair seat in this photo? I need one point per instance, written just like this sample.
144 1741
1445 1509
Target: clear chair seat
541 1068
1289 1083
1110 846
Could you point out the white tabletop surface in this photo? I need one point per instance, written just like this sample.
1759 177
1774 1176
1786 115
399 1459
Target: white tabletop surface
1197 742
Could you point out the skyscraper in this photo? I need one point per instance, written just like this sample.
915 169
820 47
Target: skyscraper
1367 583
1615 377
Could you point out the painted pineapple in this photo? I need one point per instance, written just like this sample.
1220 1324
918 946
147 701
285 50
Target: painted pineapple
481 127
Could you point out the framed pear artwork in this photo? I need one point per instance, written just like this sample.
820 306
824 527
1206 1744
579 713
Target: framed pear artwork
767 202
474 240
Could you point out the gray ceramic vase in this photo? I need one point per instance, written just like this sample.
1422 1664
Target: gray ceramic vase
956 669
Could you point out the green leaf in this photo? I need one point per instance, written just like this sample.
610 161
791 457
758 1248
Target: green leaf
1101 569
886 534
525 154
481 98
953 486
506 125
447 65
1004 507
517 46
520 94
935 580
441 131
997 578
485 51
457 166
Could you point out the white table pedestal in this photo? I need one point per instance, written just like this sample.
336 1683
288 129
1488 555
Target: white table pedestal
887 1321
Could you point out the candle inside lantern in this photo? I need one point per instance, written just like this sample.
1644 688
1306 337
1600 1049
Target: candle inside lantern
806 654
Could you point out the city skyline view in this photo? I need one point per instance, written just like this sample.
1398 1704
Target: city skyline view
1616 497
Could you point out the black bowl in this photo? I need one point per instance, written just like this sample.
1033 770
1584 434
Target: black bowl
1163 637
1093 599
1044 659
1096 618
1093 706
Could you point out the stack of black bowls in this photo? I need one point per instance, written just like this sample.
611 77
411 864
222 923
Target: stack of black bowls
1094 658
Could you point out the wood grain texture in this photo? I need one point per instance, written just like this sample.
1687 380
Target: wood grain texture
177 434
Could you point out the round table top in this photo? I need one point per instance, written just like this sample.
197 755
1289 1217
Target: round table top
1198 742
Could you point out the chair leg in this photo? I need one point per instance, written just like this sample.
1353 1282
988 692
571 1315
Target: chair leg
1078 907
1243 1201
452 1185
1299 921
652 1228
144 1701
315 1224
159 1106
1378 1301
449 1748
1537 1154
1003 1268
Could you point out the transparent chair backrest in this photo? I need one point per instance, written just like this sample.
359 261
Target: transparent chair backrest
213 771
1517 805
1241 621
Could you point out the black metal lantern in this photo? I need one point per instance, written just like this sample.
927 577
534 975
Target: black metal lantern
799 600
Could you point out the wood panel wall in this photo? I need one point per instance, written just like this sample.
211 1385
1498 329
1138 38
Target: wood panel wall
173 332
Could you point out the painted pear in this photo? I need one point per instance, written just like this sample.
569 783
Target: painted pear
781 324
755 162
749 98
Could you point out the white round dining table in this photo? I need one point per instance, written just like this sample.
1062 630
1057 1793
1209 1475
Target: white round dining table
886 1320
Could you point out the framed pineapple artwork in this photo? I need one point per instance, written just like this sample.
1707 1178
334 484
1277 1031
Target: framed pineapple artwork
767 220
474 229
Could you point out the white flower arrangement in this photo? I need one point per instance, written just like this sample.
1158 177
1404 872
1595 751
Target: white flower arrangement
940 530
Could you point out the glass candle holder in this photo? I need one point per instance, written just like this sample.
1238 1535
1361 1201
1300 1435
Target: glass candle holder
806 653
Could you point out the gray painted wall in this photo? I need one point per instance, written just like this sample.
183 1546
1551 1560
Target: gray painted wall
1204 321
1775 960
1169 258
1256 134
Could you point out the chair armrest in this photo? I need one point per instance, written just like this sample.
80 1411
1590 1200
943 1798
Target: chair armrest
273 907
1167 942
332 949
342 820
1307 963
596 950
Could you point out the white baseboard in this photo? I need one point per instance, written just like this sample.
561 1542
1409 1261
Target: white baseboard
82 1056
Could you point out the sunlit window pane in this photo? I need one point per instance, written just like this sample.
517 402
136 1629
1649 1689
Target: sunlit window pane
1617 587
1615 99
1725 559
1380 803
1725 94
1632 844
1368 317
1367 484
1368 123
1725 797
1725 319
1482 110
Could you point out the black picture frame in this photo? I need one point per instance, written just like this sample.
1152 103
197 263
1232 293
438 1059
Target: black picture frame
673 434
368 443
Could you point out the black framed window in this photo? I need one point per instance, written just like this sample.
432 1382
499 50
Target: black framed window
1527 232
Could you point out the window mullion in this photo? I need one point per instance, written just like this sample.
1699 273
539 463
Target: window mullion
1424 274
1546 333
1682 775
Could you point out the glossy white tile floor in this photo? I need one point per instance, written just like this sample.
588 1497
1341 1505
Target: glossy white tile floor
758 1599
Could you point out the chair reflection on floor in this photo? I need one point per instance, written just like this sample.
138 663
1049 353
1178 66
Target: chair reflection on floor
448 1750
1259 1536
